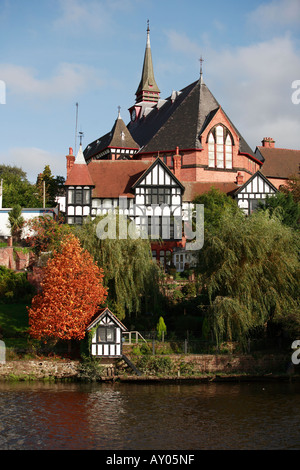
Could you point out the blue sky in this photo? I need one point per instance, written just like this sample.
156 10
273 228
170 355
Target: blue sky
56 53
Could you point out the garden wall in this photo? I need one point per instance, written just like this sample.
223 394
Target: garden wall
198 364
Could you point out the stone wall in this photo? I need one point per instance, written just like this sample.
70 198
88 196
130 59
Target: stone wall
200 364
14 259
39 369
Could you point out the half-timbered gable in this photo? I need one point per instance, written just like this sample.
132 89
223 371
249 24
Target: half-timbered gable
255 190
158 199
107 332
79 186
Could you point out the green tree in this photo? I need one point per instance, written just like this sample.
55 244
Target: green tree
49 187
16 188
16 222
129 273
215 203
283 205
161 327
249 268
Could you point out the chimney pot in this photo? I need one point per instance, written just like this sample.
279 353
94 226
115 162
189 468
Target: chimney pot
240 179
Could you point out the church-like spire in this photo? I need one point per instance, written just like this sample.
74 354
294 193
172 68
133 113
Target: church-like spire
147 89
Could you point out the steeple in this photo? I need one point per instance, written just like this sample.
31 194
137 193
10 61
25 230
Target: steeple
147 89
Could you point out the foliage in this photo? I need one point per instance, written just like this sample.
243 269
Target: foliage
161 327
250 270
293 187
46 233
16 222
17 189
90 369
72 291
215 204
53 186
283 205
154 364
14 287
129 273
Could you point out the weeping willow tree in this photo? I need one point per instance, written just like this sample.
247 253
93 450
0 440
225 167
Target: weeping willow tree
250 270
129 273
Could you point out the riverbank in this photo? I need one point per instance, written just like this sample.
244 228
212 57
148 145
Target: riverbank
181 368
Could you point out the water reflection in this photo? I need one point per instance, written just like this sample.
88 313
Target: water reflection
136 416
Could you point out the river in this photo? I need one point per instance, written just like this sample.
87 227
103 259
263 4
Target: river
120 416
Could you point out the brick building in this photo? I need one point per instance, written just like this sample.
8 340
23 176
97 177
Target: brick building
171 150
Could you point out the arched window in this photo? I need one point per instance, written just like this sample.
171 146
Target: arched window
219 148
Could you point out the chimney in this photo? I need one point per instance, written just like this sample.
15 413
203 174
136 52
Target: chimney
268 142
240 179
70 160
177 163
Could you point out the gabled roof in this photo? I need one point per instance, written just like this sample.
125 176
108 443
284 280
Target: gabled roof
258 173
101 313
195 188
115 178
158 161
79 174
119 137
179 121
278 162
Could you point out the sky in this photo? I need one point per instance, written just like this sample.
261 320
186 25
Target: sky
56 53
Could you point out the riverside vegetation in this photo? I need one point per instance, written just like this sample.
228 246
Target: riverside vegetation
245 286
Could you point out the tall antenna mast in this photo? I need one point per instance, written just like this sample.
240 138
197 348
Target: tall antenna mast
76 128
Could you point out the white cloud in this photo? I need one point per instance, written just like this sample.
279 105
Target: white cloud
33 161
276 13
68 80
181 43
80 16
256 85
253 84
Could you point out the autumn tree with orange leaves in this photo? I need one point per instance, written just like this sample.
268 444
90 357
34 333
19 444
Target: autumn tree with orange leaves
72 290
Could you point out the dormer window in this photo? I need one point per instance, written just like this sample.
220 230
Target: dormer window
220 148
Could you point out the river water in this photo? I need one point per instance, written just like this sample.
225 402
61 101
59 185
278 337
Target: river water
262 415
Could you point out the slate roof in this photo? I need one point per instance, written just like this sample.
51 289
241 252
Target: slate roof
119 137
179 121
279 163
147 83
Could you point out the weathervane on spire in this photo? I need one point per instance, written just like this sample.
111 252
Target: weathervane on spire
80 137
148 28
201 60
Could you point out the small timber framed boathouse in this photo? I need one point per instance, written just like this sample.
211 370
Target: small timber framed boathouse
107 330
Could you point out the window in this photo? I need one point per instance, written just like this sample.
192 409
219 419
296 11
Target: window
164 227
219 148
157 195
78 196
71 196
106 334
86 195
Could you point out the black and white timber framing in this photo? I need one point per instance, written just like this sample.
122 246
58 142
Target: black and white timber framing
255 190
107 335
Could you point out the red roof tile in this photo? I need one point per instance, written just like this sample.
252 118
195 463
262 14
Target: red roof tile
195 188
79 176
280 163
114 178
